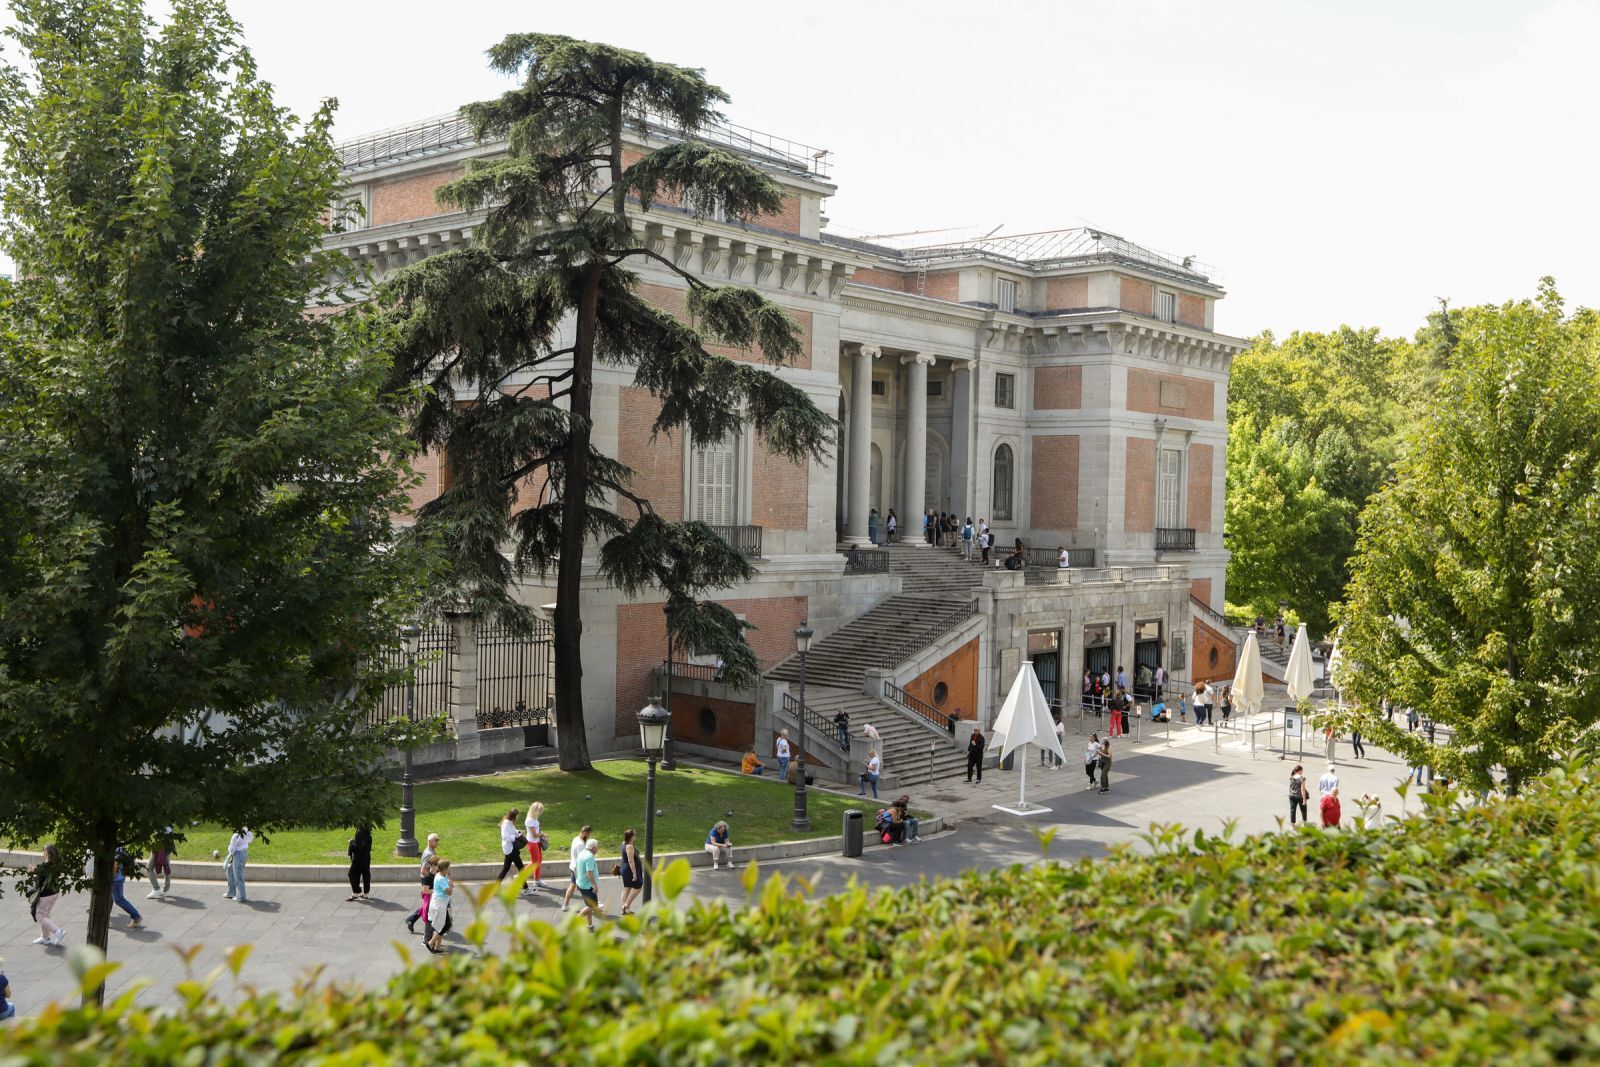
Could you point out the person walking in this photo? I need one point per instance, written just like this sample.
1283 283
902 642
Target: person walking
1299 794
588 882
123 865
872 526
425 865
986 542
511 844
1114 717
1061 737
1204 698
967 535
533 830
892 523
1091 758
439 907
841 723
871 774
632 870
1330 741
160 869
43 892
782 748
1330 809
975 747
1105 765
574 850
1356 747
238 856
360 852
1413 720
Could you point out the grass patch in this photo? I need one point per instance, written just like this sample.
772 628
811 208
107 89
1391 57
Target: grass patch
465 813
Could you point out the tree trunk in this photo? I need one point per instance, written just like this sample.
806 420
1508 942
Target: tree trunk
571 739
105 855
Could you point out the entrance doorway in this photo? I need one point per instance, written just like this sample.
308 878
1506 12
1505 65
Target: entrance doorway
1146 654
1044 649
1097 645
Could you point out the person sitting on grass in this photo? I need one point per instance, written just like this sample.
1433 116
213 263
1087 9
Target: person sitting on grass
720 844
751 764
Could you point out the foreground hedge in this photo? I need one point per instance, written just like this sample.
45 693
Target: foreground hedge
1461 936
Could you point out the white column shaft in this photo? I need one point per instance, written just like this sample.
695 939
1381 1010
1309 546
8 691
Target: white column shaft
916 450
858 486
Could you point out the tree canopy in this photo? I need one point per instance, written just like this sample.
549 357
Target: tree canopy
1476 583
196 569
504 337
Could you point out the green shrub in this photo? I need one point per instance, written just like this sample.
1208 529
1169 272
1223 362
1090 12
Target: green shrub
1460 936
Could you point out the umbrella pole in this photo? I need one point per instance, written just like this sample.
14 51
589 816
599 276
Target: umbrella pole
1022 787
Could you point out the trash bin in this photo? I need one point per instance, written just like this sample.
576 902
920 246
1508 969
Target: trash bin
853 824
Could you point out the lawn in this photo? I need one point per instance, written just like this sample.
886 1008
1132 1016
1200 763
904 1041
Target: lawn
465 813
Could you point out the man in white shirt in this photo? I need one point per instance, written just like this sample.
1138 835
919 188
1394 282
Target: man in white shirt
783 755
1328 784
1062 559
574 853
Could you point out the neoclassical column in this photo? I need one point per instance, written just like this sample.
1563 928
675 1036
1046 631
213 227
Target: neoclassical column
961 439
858 488
916 447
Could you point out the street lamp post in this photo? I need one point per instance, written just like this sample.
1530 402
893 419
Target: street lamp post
411 642
801 820
653 721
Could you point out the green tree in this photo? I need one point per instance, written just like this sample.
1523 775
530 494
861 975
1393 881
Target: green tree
504 338
1477 582
194 480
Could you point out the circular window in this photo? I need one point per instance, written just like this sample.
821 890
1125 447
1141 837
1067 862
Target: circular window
708 721
1212 658
941 693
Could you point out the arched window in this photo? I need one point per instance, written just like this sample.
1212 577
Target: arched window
1003 467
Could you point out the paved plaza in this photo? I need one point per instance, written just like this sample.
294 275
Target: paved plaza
296 929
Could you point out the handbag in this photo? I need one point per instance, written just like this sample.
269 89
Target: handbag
519 843
616 870
544 842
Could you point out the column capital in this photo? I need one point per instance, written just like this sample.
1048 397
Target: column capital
925 358
964 365
869 351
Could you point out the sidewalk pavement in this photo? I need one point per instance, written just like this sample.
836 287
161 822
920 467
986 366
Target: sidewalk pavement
299 928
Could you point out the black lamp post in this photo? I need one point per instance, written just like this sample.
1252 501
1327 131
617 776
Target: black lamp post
801 820
411 642
653 721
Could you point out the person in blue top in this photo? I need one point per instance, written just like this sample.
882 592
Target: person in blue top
589 881
124 867
720 844
7 1008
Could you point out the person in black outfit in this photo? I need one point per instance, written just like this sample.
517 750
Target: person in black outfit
975 748
842 721
360 853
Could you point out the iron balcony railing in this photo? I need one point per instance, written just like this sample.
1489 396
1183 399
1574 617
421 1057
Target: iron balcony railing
826 731
1051 557
866 561
703 672
1174 539
916 706
747 539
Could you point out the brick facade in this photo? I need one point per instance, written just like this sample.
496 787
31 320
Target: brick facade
778 491
730 725
958 673
1064 293
1055 482
411 197
657 462
1192 310
880 279
1198 494
1213 655
1137 297
672 302
785 220
1057 388
1171 394
642 646
1139 501
941 285
1200 589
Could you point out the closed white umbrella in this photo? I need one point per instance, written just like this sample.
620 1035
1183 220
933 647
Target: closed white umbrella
1024 720
1299 681
1248 692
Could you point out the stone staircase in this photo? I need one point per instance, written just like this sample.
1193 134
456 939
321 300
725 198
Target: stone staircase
887 635
907 740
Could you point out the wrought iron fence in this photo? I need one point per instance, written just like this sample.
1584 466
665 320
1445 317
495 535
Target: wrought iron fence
1169 539
747 539
516 675
704 672
826 731
1050 557
435 664
866 561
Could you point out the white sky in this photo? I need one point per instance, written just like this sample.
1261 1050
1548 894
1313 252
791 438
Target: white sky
1338 160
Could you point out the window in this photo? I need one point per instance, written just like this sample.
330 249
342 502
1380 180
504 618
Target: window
1005 390
941 693
936 389
349 211
1005 294
716 483
1001 500
1166 305
1168 472
705 207
880 390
